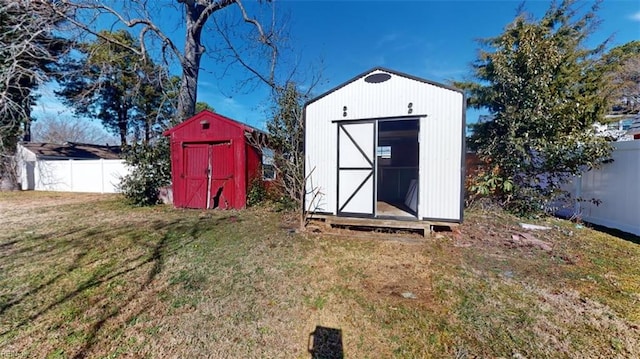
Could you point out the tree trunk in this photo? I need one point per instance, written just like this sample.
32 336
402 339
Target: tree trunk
8 184
26 137
8 172
122 126
147 132
193 50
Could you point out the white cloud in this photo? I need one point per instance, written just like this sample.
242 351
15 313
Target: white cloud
51 107
48 104
389 38
635 17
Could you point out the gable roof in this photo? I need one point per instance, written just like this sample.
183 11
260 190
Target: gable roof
389 71
72 150
217 116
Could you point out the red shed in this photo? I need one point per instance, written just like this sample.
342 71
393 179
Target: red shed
212 161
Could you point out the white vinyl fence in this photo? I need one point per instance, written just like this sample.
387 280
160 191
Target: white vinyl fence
617 186
98 176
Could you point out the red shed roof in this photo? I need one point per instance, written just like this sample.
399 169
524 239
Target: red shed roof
206 113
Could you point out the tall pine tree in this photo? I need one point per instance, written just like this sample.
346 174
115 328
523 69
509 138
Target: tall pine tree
127 92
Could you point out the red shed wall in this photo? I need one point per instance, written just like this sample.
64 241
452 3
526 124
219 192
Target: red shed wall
254 165
243 158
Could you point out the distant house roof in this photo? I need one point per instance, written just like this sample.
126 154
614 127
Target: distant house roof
71 150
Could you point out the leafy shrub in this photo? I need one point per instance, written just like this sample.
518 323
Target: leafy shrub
483 184
150 169
257 192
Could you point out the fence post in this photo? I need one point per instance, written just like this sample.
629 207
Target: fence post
102 175
71 174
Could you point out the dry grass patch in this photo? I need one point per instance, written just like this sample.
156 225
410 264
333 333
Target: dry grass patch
87 276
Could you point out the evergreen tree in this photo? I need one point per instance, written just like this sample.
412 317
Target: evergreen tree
542 87
201 106
125 91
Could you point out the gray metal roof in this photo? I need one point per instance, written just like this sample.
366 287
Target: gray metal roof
71 150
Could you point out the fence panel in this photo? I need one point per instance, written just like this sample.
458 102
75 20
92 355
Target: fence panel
616 185
98 176
53 176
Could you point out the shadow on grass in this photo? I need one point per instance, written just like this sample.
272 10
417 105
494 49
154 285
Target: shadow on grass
4 306
104 255
157 258
615 232
325 343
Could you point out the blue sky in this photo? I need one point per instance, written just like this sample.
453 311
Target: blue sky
435 40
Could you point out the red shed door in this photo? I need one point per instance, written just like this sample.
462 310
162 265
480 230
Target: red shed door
196 175
222 180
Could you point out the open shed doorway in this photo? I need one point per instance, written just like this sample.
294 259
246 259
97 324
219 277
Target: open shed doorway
397 168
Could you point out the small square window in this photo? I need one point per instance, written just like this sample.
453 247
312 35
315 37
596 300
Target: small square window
268 172
383 151
268 168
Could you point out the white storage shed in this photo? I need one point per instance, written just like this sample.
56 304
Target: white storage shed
386 146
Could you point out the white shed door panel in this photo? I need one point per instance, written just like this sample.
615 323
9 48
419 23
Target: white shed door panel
356 155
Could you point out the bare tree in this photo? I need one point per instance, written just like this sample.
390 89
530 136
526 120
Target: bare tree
60 130
621 66
28 50
88 15
285 144
627 85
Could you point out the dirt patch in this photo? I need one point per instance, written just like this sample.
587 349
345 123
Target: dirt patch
502 230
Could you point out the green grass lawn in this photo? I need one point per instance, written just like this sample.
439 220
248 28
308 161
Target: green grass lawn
88 276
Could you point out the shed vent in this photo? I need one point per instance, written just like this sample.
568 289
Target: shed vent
377 78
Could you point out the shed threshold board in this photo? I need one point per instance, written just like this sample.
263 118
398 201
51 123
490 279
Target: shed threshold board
378 222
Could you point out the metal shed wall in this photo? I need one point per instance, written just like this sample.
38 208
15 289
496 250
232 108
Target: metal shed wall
440 111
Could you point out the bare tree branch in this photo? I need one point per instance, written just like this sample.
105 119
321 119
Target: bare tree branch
99 8
85 15
265 39
27 50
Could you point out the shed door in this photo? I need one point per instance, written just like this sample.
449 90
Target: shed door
222 182
196 175
356 156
